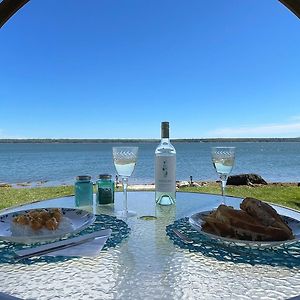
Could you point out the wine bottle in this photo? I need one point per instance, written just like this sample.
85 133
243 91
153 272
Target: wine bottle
165 169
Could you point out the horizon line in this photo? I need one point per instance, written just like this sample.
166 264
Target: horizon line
5 140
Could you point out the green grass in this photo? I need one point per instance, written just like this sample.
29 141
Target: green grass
286 195
12 196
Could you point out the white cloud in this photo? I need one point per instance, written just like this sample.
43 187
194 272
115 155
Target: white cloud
267 130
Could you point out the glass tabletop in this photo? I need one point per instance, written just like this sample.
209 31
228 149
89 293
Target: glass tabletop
147 265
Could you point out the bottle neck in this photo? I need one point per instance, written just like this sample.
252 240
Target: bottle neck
165 131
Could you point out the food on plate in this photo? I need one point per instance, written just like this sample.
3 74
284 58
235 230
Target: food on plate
265 213
40 219
256 221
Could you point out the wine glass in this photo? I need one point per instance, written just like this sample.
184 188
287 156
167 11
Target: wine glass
125 160
223 160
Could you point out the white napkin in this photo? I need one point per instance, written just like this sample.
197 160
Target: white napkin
90 248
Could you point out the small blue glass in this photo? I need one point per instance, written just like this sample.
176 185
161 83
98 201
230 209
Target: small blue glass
83 191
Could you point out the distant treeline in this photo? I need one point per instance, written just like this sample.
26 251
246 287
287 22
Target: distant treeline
206 140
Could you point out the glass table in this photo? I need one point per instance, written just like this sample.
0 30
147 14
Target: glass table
147 265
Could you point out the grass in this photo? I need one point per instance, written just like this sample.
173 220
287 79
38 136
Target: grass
12 196
286 195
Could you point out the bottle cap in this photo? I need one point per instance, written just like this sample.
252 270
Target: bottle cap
105 176
83 177
165 129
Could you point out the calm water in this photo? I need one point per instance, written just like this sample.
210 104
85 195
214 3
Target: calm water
60 163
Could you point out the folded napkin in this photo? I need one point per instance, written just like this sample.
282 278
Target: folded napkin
89 246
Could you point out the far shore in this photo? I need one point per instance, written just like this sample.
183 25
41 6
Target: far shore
118 140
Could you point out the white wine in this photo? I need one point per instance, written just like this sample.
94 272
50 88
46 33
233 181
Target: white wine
223 166
125 167
165 169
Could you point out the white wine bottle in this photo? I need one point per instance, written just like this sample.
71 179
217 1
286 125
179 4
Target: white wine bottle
165 169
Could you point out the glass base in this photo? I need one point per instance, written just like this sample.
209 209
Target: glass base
122 214
165 200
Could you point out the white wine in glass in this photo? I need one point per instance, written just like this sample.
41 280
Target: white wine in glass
223 161
124 161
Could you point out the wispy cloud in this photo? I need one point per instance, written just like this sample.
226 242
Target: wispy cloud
295 118
4 135
266 130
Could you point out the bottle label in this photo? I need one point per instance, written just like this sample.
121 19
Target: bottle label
165 173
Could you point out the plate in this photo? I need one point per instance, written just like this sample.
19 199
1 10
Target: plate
73 220
196 221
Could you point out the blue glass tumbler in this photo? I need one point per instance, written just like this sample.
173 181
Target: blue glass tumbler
83 191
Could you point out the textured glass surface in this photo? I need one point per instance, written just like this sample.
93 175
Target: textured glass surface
147 264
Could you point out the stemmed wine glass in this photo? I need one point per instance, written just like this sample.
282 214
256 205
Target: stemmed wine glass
125 160
223 161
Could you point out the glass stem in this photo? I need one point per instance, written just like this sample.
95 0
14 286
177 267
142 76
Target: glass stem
125 184
223 185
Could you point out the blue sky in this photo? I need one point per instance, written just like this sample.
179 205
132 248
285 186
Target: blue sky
116 69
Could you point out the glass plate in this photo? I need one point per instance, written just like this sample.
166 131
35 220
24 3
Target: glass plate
74 220
196 221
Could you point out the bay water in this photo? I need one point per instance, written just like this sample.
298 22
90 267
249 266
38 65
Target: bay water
59 163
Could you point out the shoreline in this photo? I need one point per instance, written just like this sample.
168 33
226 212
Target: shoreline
140 186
